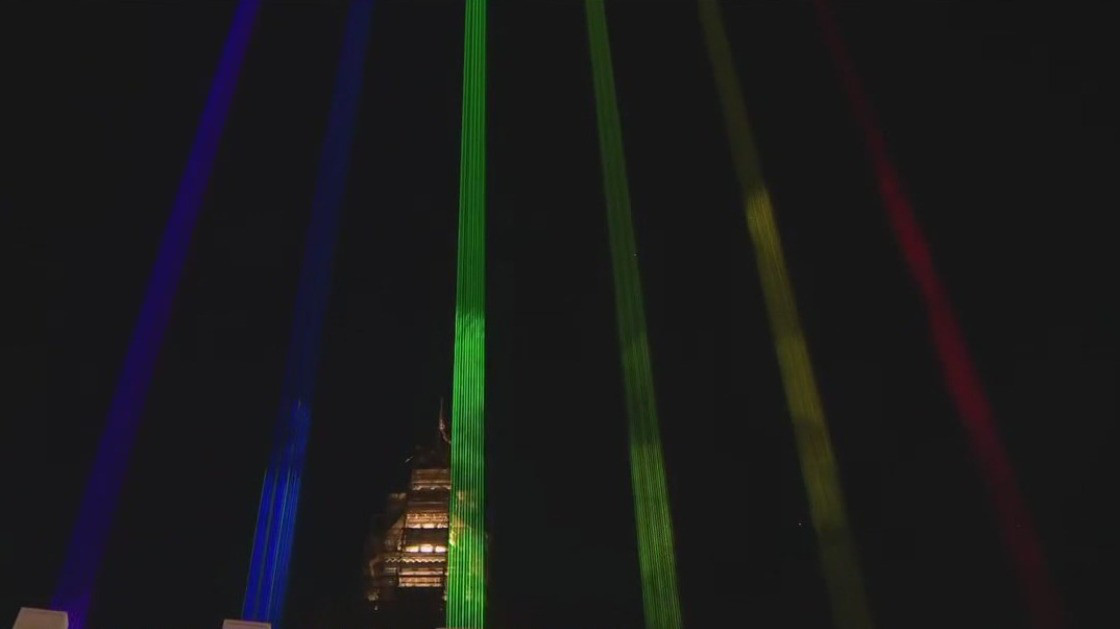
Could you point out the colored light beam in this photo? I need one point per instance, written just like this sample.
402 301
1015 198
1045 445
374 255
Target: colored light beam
74 592
1020 538
466 580
656 556
814 445
276 518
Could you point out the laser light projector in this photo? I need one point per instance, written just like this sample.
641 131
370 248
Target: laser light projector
30 618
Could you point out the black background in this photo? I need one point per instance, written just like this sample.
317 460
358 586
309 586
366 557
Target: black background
1001 118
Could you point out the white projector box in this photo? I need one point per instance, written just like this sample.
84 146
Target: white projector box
30 618
245 624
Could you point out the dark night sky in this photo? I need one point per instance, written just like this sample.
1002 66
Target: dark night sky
1001 117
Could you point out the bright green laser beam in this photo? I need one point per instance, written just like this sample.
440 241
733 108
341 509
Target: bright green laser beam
466 584
818 465
656 556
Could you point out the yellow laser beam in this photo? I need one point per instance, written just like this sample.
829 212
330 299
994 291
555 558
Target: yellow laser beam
839 560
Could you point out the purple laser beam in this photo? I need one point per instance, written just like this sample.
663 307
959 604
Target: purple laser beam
74 593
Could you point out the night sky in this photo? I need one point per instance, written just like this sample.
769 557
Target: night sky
1001 117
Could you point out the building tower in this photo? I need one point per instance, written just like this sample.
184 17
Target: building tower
406 557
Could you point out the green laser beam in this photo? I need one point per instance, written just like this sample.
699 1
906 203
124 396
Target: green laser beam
818 464
466 583
656 556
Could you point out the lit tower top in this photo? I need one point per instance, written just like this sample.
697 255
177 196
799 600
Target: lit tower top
406 558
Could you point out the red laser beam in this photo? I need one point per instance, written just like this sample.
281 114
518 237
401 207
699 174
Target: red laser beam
1016 527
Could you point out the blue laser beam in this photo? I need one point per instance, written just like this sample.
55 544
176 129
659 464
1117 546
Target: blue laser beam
269 565
74 592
